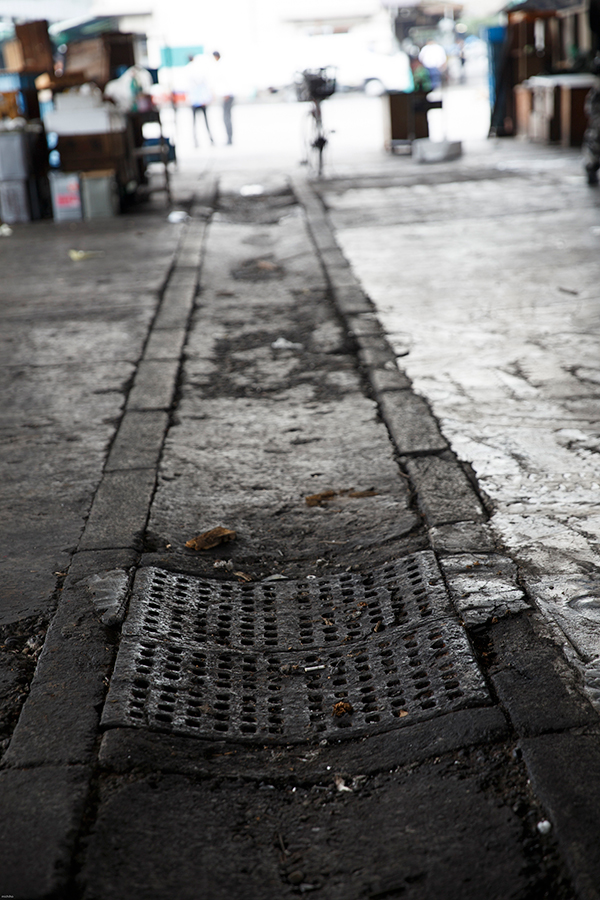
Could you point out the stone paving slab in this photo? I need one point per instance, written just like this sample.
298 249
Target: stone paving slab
172 837
38 828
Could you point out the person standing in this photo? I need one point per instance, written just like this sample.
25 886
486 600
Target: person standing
224 88
433 57
199 92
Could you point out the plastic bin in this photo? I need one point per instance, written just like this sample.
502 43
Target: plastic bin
99 194
14 156
14 201
66 196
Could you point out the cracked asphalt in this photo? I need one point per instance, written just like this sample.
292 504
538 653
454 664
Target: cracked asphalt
219 373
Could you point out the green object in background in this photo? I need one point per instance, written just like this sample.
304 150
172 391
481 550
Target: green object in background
178 56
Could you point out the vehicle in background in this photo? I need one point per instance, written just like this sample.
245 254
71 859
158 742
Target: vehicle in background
358 68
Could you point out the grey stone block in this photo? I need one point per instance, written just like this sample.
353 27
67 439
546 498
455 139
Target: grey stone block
138 441
176 306
59 720
42 811
154 385
123 750
462 537
565 774
444 492
165 343
534 682
189 840
388 378
350 298
119 511
377 356
410 422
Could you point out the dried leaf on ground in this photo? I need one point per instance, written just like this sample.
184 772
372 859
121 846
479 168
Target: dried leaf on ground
358 494
243 576
342 708
209 539
318 499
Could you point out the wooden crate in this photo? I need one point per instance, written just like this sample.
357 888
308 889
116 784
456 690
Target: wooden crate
100 57
35 46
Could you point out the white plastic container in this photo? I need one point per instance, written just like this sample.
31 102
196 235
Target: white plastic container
66 196
99 194
90 120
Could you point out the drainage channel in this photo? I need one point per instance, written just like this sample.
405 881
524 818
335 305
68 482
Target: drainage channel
287 662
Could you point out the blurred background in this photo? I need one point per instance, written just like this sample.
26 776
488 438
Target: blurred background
520 68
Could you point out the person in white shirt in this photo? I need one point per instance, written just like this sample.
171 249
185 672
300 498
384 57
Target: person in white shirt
199 91
433 57
224 88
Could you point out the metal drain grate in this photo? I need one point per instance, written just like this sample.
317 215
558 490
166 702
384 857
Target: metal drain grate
291 697
329 658
287 615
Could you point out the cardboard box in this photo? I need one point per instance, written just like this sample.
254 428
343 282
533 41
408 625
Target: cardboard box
9 105
14 60
101 57
14 201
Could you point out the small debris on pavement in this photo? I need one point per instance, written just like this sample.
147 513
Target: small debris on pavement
341 784
276 577
324 496
243 576
283 344
5 230
342 708
109 595
288 668
321 497
81 255
223 564
544 827
209 539
252 190
177 216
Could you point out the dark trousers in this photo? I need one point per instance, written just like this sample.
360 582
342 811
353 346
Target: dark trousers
195 110
227 104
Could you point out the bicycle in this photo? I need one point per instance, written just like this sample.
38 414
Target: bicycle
314 86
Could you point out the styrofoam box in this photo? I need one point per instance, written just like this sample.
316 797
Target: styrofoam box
13 155
77 100
93 120
14 201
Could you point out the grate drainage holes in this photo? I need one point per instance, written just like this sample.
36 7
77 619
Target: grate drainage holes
289 615
294 696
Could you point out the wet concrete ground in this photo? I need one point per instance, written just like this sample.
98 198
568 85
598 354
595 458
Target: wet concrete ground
489 292
495 797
